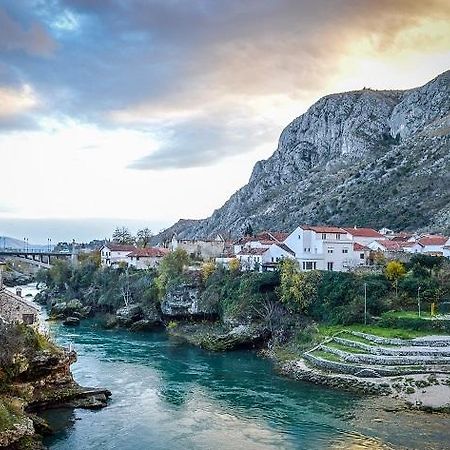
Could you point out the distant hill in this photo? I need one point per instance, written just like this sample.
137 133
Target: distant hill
17 244
366 158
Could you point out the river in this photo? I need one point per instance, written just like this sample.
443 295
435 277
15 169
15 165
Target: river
168 395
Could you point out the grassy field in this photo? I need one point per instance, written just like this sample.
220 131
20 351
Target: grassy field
400 333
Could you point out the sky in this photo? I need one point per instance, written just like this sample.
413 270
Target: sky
141 112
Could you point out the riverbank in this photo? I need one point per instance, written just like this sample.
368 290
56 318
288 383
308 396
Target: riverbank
35 376
422 385
169 395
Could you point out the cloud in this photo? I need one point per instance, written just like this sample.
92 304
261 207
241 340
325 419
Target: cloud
32 38
185 70
205 140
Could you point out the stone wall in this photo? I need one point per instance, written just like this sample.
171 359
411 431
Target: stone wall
13 308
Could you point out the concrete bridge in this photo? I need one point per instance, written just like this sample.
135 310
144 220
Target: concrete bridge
41 258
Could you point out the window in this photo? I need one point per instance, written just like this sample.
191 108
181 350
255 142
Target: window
330 266
361 255
309 265
338 236
330 250
28 319
345 250
324 236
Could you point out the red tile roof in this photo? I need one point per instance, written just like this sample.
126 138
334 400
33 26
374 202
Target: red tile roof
364 232
359 248
149 252
119 247
390 245
253 251
264 236
279 235
433 240
408 244
323 229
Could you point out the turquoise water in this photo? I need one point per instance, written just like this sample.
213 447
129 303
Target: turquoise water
168 395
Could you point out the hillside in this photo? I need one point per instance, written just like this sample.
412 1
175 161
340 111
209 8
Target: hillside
366 158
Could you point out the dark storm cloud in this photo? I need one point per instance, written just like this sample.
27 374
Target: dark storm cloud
147 58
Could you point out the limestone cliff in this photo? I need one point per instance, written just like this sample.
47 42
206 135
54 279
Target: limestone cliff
367 158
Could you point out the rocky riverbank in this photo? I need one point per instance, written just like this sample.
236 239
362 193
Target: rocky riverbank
34 376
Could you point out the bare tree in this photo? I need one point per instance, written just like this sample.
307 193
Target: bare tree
122 235
144 236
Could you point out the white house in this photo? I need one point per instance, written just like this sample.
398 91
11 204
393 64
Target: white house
433 244
146 258
112 255
322 248
386 231
264 258
386 245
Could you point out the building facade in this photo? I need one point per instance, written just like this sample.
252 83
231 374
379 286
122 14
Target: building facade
112 255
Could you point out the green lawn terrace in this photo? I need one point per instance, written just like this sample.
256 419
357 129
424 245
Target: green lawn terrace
414 368
368 355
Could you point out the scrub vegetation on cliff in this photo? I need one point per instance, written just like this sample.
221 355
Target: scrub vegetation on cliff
284 305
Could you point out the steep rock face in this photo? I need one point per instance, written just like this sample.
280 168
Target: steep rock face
185 301
367 158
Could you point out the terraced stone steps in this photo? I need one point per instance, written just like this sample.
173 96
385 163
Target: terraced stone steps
386 360
366 355
368 370
392 350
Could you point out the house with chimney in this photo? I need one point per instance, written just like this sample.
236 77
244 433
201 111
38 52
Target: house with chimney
14 308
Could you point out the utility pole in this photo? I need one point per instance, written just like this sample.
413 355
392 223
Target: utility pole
418 299
365 303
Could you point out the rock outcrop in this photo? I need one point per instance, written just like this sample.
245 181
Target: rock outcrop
185 301
35 375
367 158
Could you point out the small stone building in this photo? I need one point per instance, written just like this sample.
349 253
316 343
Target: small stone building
16 309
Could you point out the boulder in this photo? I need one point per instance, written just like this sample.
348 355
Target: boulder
185 301
128 315
242 336
72 308
144 325
71 321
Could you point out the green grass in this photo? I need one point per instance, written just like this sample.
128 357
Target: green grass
326 355
345 348
399 333
408 314
8 415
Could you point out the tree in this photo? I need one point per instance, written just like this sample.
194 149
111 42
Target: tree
122 235
297 289
234 265
208 269
144 236
394 271
170 269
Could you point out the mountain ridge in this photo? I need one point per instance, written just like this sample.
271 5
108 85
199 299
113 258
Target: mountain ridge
366 158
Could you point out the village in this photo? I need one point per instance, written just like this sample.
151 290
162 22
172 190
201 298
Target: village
330 248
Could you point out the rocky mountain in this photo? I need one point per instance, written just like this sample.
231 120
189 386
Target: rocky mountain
366 158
